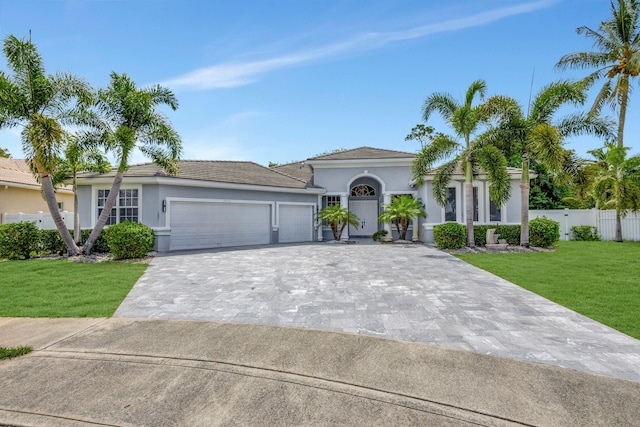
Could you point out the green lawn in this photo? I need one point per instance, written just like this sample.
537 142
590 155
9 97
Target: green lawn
8 353
600 280
45 288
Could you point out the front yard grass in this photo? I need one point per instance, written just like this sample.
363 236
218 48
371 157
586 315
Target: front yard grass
45 288
8 353
600 280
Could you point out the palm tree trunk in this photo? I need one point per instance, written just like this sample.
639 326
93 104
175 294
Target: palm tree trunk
468 194
618 226
106 211
525 187
624 97
76 215
50 197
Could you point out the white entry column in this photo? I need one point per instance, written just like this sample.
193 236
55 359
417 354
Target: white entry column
344 202
387 225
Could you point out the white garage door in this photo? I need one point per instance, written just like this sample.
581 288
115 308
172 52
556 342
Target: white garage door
197 225
296 223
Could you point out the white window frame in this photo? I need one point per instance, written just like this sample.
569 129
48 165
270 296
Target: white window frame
94 201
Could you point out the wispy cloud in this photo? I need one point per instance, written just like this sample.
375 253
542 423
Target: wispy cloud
233 74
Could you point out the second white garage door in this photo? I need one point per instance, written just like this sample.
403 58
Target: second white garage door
296 223
199 225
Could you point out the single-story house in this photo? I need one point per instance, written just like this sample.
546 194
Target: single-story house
21 192
213 204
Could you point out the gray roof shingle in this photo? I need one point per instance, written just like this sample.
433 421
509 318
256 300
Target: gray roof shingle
237 172
365 153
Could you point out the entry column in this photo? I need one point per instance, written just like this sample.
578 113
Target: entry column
344 202
387 225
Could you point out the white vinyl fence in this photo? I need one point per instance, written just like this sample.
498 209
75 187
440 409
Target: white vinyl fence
604 220
42 220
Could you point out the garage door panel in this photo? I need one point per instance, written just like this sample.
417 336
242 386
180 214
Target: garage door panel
296 223
214 224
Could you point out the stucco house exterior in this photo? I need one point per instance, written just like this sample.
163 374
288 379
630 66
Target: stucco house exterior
21 192
213 204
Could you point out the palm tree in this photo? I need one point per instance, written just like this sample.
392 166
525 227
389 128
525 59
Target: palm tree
79 156
40 104
337 217
401 211
466 121
617 182
536 136
617 58
129 120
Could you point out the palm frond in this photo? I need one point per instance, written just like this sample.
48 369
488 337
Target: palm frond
443 103
441 147
441 180
493 162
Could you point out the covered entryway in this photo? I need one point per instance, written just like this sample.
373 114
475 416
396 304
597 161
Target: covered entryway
212 224
364 203
367 212
296 223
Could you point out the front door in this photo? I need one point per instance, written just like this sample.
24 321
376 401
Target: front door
367 212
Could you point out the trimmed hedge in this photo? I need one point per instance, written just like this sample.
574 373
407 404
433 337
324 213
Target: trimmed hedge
450 235
585 233
14 244
511 233
543 232
129 240
18 240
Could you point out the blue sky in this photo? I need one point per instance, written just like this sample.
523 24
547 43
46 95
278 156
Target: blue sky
284 80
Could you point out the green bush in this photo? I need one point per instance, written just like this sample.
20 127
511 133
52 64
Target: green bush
450 235
585 233
50 242
510 233
543 232
129 240
379 235
100 246
18 240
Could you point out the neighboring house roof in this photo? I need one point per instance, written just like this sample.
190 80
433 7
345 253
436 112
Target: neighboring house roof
16 172
299 170
235 172
363 153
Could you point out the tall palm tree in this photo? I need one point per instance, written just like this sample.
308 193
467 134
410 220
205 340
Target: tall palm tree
467 120
617 58
401 211
617 182
129 120
41 104
537 136
79 156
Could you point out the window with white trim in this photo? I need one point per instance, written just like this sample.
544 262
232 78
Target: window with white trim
495 213
125 209
332 200
450 205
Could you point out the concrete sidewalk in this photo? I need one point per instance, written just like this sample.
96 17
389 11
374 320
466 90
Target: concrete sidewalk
124 372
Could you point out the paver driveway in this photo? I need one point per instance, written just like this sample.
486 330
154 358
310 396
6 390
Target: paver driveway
407 292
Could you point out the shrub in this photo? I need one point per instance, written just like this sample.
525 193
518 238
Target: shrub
18 240
510 233
543 232
450 235
379 235
100 246
129 240
585 233
50 242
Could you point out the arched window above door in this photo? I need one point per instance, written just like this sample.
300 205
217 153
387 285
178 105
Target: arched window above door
363 190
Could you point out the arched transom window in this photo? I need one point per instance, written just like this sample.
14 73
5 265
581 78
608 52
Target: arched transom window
363 190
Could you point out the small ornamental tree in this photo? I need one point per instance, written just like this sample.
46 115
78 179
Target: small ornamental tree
337 217
400 212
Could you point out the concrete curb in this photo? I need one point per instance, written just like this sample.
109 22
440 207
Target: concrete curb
169 372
